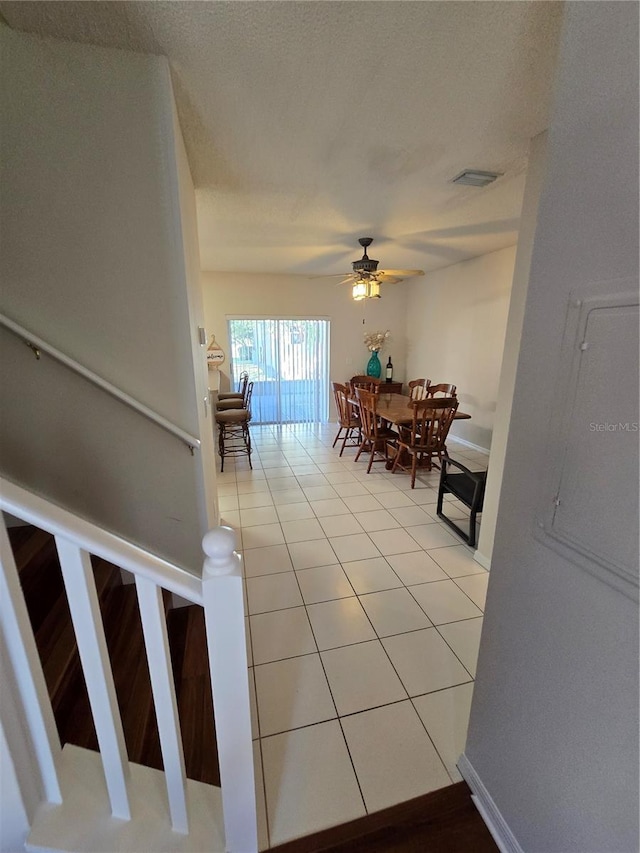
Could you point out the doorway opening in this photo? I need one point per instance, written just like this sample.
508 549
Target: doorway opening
288 362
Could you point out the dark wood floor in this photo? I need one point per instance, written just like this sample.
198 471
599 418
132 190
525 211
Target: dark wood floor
444 821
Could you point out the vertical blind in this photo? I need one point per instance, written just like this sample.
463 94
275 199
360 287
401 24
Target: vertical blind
288 362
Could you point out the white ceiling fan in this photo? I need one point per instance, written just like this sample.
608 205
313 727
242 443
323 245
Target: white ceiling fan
366 278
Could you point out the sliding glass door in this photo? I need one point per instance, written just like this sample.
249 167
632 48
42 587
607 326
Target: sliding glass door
288 362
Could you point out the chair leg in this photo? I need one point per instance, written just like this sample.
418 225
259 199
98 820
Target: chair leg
472 529
234 440
247 442
373 453
337 437
360 449
347 432
414 465
221 446
396 459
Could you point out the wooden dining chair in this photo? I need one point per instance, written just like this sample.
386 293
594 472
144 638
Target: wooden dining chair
369 383
418 388
375 433
427 435
348 420
442 388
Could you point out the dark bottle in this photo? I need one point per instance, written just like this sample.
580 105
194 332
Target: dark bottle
389 371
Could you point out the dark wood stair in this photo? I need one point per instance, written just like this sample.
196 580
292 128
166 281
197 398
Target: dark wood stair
43 588
444 821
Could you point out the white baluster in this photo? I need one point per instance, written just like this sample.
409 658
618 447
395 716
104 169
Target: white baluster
156 642
21 646
96 667
226 642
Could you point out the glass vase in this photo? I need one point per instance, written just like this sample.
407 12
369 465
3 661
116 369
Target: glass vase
374 368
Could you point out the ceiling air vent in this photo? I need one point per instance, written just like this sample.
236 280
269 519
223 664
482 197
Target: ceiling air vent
474 178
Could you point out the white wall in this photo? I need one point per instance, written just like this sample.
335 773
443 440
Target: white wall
206 471
233 294
553 733
93 261
456 319
536 174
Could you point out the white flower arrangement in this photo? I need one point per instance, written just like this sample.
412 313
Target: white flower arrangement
374 341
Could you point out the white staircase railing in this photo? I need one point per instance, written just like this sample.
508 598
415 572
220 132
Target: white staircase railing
219 591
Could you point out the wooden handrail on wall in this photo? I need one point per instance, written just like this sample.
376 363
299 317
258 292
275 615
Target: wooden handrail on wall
38 345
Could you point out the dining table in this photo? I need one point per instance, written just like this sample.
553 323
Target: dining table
397 410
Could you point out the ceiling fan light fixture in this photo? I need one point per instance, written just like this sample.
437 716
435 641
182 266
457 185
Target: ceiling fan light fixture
374 289
475 178
359 290
366 278
366 288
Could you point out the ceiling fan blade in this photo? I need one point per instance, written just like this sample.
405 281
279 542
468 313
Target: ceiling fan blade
403 273
331 275
348 280
388 279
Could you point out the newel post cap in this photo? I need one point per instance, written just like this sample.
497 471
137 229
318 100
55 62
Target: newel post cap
219 545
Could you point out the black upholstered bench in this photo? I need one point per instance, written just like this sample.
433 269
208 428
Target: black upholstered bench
468 487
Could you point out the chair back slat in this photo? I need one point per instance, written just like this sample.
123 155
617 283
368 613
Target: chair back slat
418 388
243 380
376 436
348 417
427 435
247 397
368 413
342 403
369 383
432 418
444 388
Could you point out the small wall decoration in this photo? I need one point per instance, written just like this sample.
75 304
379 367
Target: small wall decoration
215 354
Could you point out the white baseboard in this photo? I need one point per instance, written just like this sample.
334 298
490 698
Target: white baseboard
489 812
470 444
485 562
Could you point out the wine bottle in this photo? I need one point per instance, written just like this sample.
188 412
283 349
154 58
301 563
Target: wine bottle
389 370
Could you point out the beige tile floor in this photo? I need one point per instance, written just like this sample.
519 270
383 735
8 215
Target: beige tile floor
364 617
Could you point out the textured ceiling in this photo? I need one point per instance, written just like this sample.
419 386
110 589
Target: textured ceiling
309 124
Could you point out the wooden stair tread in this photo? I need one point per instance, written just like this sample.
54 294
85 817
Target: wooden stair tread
26 541
36 559
55 638
190 660
125 641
